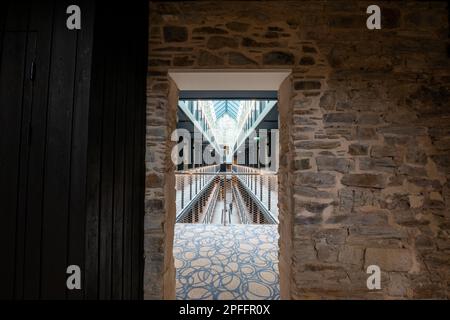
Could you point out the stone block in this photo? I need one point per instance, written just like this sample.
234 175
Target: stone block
334 236
307 85
443 161
361 218
307 61
153 205
153 180
300 120
315 179
398 285
311 206
311 192
415 201
342 165
304 252
175 34
403 130
206 58
237 26
309 49
302 164
339 117
377 164
383 151
356 149
389 259
209 30
415 155
424 242
238 59
351 255
369 118
366 133
328 100
352 198
183 61
219 42
412 171
327 253
364 180
251 43
317 144
278 58
306 220
364 234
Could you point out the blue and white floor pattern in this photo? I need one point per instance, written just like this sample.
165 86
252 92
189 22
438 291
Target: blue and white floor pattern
226 262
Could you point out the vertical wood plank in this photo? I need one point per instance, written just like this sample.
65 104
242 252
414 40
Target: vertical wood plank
58 157
77 213
141 74
95 154
129 178
107 171
11 96
119 149
41 20
24 156
12 91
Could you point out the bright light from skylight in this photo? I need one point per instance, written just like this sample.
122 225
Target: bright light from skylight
228 120
226 130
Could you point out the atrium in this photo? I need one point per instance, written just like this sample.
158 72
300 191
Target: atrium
226 237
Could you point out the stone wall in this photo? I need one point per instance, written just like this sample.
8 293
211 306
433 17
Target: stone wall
365 137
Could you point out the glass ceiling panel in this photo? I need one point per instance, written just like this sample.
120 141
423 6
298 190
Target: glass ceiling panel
230 107
230 120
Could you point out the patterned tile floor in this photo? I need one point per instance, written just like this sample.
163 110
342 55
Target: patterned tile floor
226 262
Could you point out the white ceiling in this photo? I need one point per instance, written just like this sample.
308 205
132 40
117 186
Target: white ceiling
229 80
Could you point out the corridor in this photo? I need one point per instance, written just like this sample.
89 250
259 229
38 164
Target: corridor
205 196
226 231
233 217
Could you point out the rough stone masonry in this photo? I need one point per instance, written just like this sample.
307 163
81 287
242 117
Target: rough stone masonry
364 130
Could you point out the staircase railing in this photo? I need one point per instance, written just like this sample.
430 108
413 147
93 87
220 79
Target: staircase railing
211 205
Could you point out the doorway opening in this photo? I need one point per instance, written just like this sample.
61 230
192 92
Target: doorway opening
226 231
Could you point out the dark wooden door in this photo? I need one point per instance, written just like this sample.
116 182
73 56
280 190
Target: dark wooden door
72 125
43 123
16 95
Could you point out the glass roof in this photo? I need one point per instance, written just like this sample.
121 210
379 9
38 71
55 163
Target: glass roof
226 130
228 122
230 107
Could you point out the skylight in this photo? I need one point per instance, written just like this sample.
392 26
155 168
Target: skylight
227 122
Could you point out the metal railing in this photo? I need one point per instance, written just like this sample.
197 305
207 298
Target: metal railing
190 184
205 195
262 186
243 213
211 205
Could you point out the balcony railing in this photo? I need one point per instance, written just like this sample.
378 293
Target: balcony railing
190 184
243 195
262 185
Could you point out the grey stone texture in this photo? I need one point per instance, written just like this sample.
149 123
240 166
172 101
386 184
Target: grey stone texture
364 134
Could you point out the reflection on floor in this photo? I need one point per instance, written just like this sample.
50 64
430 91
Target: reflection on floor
226 262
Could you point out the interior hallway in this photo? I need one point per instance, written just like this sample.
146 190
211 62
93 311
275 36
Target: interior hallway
226 262
217 217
